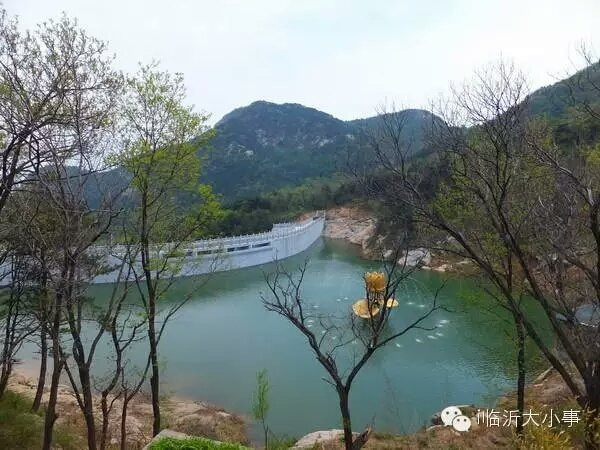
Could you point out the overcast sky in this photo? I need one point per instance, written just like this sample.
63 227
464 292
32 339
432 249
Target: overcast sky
344 57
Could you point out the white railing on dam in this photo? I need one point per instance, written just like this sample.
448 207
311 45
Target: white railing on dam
228 253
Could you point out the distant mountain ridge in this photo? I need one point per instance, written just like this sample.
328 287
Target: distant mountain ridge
265 146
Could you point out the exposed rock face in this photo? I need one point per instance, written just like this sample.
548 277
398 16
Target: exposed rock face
166 433
352 224
357 225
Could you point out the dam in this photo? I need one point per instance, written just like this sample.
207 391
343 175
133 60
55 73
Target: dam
229 253
209 255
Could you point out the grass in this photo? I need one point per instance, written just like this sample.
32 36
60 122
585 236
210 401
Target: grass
193 444
22 429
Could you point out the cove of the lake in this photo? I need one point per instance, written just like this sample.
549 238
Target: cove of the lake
214 346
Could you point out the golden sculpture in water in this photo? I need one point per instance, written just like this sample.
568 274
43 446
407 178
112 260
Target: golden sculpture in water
375 285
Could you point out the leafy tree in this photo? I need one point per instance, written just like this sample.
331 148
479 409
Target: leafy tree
161 137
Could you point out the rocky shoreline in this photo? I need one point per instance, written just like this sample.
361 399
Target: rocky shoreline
182 415
357 226
546 391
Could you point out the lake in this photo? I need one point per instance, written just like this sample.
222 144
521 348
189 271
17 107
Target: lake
215 345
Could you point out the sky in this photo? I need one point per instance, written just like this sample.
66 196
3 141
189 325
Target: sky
344 57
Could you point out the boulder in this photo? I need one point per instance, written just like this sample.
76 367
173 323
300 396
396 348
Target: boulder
312 439
415 258
166 433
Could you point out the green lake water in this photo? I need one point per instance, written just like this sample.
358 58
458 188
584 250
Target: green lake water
215 345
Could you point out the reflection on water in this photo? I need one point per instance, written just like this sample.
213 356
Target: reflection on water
223 336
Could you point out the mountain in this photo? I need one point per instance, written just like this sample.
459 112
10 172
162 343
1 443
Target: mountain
265 146
415 124
554 101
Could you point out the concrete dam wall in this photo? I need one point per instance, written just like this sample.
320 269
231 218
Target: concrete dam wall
216 255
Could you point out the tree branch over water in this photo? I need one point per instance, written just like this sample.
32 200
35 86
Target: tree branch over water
374 332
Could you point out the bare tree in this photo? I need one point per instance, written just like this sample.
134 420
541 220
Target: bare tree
519 207
16 322
373 332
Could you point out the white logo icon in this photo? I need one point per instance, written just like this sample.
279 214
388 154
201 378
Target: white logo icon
461 423
449 413
453 416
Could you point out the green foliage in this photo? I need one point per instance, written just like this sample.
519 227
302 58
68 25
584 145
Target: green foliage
162 136
256 214
543 438
21 429
193 443
260 407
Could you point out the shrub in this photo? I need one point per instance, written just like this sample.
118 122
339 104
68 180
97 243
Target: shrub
22 429
543 438
193 443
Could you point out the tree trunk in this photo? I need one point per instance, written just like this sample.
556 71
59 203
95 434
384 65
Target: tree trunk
124 421
51 407
266 434
6 370
592 417
88 413
521 373
154 378
6 358
346 422
104 433
43 365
